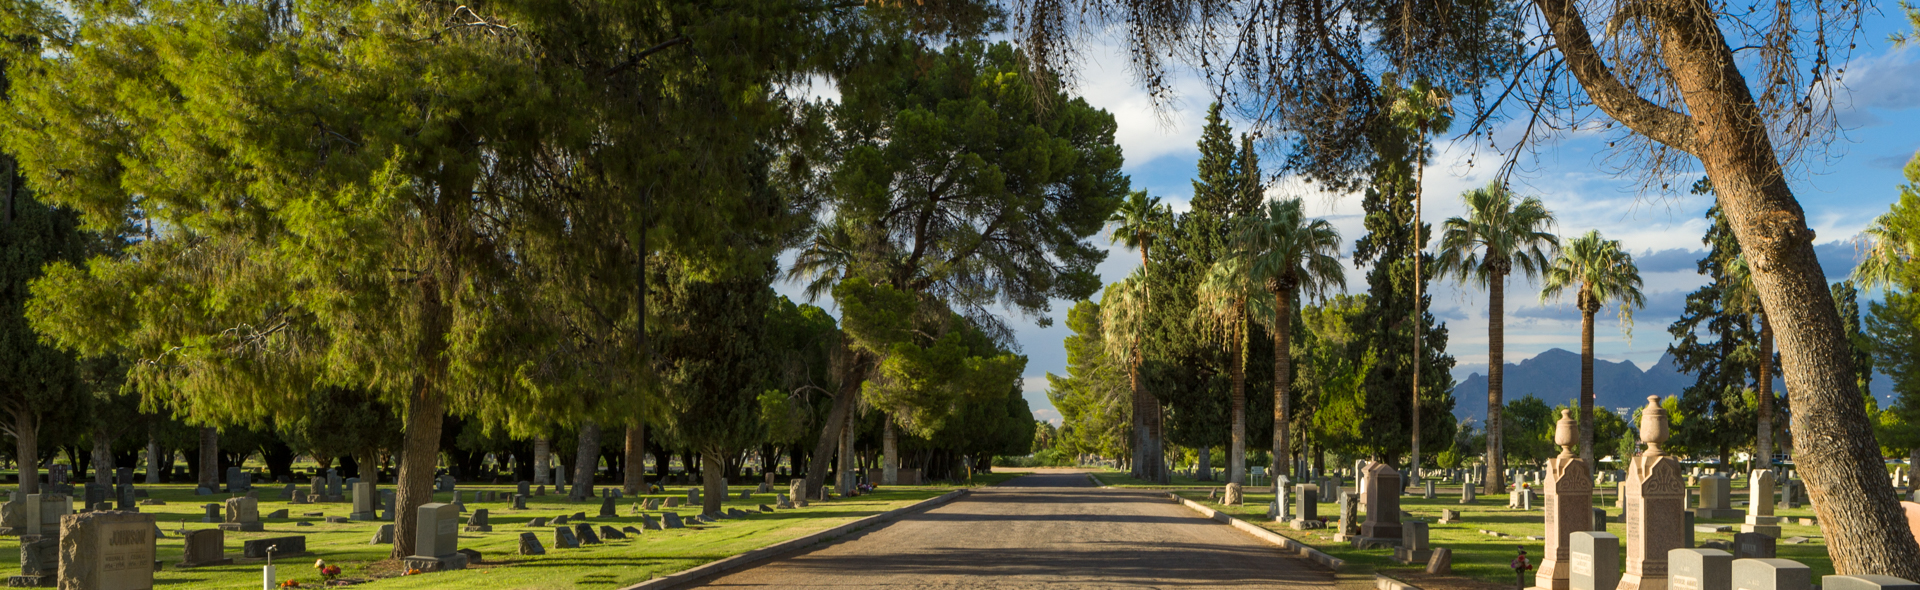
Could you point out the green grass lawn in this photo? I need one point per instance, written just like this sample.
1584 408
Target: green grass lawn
1485 557
610 565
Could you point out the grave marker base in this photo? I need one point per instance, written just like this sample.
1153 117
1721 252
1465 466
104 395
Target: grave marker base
449 562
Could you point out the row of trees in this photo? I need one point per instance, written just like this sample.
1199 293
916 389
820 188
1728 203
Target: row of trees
509 224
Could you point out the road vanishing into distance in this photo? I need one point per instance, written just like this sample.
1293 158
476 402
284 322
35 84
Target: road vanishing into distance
1051 529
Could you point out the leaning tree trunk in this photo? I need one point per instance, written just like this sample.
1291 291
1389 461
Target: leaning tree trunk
1763 437
1586 380
713 482
26 449
1237 453
822 460
585 459
209 458
425 413
1496 373
1724 128
542 461
1282 385
634 469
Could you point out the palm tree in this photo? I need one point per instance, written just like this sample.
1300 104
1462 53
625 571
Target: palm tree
1288 253
1123 310
1139 220
1225 296
1741 296
1499 236
1602 273
1424 110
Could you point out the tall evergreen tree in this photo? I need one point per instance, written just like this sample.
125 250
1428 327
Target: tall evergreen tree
41 383
1713 341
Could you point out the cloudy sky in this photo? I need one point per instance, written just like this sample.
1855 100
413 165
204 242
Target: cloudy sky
1842 193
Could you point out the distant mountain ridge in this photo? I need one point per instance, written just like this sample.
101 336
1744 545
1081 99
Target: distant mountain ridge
1554 377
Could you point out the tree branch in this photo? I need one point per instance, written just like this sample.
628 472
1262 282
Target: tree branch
1616 99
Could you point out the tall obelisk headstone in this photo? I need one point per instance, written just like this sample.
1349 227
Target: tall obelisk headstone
1656 502
1569 506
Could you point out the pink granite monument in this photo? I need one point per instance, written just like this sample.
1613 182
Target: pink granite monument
1656 504
1569 506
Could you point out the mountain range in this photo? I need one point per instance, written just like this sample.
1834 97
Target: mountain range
1554 377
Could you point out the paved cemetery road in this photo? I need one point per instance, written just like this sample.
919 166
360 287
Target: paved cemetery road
1047 530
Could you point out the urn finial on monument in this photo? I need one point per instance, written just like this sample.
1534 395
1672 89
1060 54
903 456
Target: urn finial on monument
1563 434
1653 426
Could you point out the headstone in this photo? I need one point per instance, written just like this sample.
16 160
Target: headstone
1569 506
1429 491
780 500
1449 516
584 532
1234 497
1753 546
673 502
383 536
289 546
1866 582
1656 498
1715 493
1599 520
524 490
607 508
1760 518
365 502
45 511
519 501
1349 517
561 519
459 506
540 490
107 551
205 547
530 544
386 505
39 564
1306 506
281 513
1413 543
647 522
672 520
1441 562
477 522
563 538
234 485
1594 561
243 514
1466 492
539 521
1771 574
1382 500
436 540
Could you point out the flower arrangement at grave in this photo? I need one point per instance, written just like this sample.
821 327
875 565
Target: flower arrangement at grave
290 583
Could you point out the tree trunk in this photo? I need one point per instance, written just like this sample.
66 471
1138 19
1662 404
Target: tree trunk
1496 369
713 482
1763 437
890 445
154 464
1723 127
1142 424
26 448
822 460
209 458
103 465
847 458
369 464
1205 468
1282 385
542 461
634 469
586 460
1237 453
414 488
1419 283
1586 382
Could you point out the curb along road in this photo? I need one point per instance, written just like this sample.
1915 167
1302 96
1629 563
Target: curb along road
1263 534
790 546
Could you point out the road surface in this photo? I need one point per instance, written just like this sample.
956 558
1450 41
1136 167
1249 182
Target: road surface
1051 529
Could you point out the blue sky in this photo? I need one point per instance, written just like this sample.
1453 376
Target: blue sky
1841 193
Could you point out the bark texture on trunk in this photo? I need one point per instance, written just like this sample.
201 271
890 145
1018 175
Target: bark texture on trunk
586 459
1586 380
1206 465
1763 436
1282 382
102 457
1724 128
848 461
890 446
26 448
153 457
1496 373
209 458
542 461
713 482
425 413
1237 454
369 460
634 469
821 463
